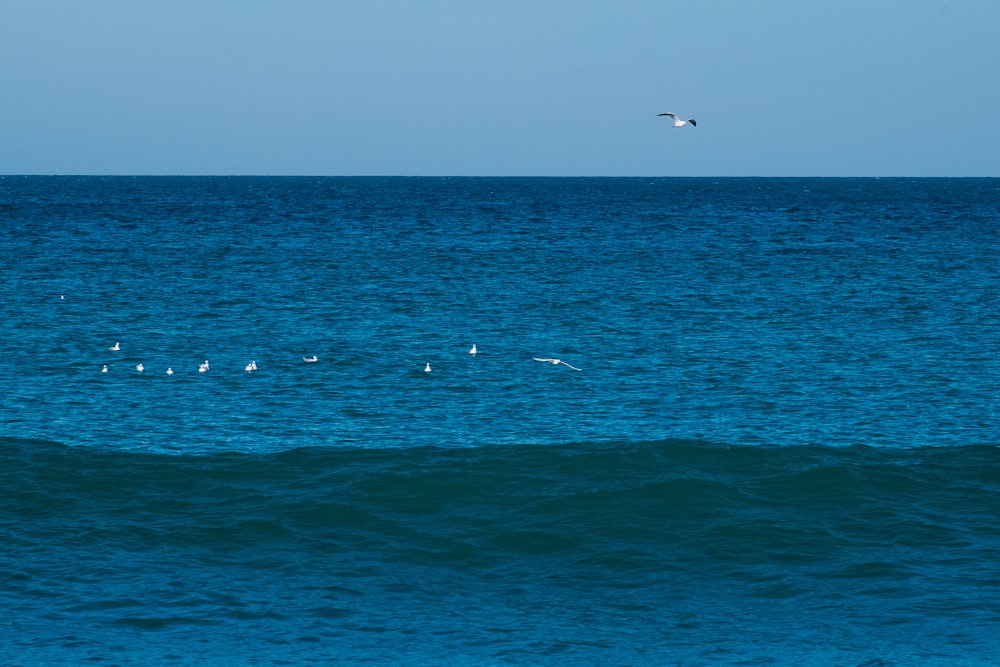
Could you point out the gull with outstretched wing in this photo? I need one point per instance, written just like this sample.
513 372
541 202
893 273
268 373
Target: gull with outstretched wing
556 362
678 122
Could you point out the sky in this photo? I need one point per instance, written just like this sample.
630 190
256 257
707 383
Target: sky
490 88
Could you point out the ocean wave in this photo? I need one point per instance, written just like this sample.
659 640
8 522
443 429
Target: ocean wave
521 536
596 485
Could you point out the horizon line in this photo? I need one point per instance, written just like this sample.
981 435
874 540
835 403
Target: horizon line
473 176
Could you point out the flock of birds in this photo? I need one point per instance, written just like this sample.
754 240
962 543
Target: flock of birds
252 366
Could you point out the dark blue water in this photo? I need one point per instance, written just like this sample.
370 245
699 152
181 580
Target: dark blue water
781 447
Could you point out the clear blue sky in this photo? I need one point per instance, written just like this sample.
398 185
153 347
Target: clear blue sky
518 87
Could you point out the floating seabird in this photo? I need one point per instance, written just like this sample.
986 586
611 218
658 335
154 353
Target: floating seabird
473 351
310 360
203 367
556 362
170 371
105 369
427 368
252 366
115 347
677 121
140 367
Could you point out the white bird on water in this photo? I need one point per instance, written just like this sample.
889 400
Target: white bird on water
556 362
677 121
310 360
473 351
203 367
105 369
170 371
140 367
427 368
115 347
252 366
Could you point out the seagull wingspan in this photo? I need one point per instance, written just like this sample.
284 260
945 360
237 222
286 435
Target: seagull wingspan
555 362
677 121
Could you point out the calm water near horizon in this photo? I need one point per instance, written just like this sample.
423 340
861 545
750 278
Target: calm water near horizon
782 445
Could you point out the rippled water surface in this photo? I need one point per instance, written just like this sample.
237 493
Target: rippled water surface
780 447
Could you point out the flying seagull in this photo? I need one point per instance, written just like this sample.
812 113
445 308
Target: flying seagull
677 121
556 362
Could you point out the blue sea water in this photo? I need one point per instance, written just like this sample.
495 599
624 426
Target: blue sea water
781 446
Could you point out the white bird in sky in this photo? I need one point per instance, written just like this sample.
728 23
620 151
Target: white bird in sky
115 347
556 362
677 121
310 360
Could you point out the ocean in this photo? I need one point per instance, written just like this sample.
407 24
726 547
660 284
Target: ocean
773 437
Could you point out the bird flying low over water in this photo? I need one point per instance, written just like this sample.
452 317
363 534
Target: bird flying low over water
114 348
677 121
556 362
